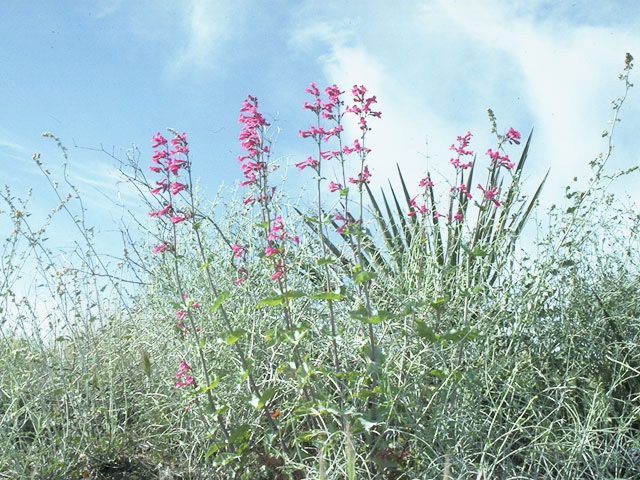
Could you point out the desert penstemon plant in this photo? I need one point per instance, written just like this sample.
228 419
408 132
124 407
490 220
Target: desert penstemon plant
169 162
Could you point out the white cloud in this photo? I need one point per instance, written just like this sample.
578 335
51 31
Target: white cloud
206 24
104 8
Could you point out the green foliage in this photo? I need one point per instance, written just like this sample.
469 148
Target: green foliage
410 348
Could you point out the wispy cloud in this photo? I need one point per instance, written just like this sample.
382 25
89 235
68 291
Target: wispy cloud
104 8
206 25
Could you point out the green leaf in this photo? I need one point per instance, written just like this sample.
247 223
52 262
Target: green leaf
225 458
326 261
326 296
270 301
218 301
364 277
359 314
259 403
278 299
436 372
366 424
465 333
427 332
214 448
230 338
380 317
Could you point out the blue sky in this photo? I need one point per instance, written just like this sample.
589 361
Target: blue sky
111 73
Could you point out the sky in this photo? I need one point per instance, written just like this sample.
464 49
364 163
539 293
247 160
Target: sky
108 74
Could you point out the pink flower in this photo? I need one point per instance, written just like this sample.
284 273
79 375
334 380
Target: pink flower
426 182
458 216
181 314
163 211
513 136
238 250
355 148
328 155
490 194
278 273
340 229
437 215
335 131
177 187
162 248
188 380
309 162
158 140
316 106
414 207
501 160
243 276
159 155
175 218
312 89
182 369
180 140
333 187
174 164
269 250
162 187
362 177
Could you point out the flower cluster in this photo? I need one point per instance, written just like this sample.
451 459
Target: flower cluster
252 141
463 143
362 106
168 158
331 111
183 370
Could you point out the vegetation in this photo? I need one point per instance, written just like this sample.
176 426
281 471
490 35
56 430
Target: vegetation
363 336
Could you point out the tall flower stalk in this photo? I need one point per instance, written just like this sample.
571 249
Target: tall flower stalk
164 163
